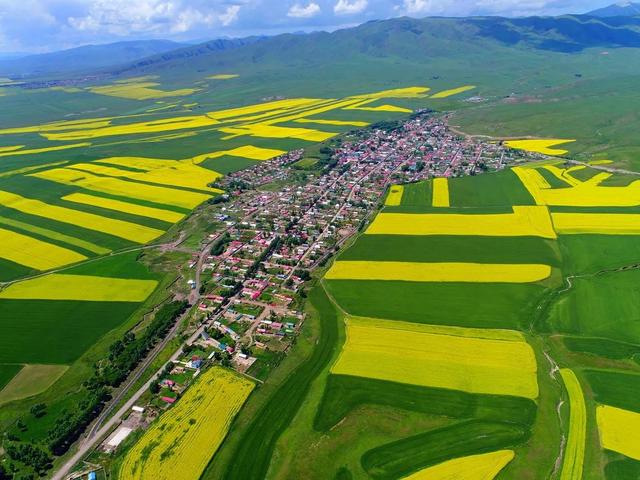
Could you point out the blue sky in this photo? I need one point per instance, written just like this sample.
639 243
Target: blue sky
46 25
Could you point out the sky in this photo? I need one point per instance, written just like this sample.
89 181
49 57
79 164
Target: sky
49 25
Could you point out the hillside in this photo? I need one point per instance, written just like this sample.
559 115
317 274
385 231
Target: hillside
403 38
622 9
84 58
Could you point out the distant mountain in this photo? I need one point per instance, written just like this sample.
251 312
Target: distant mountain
409 39
89 57
621 9
186 53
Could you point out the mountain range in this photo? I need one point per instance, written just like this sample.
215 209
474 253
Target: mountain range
406 38
622 9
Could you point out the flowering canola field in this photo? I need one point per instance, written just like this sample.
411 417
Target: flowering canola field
573 461
90 221
438 272
412 353
543 146
453 91
581 194
34 253
188 435
484 466
597 223
619 430
440 192
394 198
120 206
524 221
58 286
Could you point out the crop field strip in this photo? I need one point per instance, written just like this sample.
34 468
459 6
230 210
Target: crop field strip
31 380
117 228
441 192
438 272
524 221
484 466
408 353
188 435
588 193
394 198
619 430
573 461
59 286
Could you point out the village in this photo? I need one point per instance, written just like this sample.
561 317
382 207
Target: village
277 224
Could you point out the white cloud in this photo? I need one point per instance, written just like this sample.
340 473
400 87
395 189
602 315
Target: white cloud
344 7
230 15
298 11
126 17
417 6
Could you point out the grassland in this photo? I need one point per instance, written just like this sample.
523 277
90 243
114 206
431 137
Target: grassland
252 454
31 380
409 455
7 372
185 438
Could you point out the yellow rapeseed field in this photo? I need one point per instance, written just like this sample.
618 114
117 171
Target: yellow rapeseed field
273 131
150 126
288 104
394 198
602 223
584 194
407 92
484 466
139 91
563 175
524 221
453 91
59 286
440 192
163 172
118 228
123 188
35 151
54 235
573 461
34 253
254 153
400 352
11 148
438 272
340 123
361 105
189 434
223 76
127 207
619 430
540 146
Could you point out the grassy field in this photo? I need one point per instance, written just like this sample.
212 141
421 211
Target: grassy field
406 456
252 456
7 372
599 306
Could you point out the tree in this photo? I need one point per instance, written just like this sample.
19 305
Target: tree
154 388
39 410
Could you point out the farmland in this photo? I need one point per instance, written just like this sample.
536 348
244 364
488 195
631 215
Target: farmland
445 329
190 433
410 333
83 196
